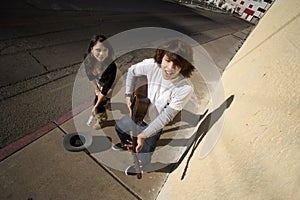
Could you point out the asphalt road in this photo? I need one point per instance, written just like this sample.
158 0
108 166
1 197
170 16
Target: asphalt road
42 44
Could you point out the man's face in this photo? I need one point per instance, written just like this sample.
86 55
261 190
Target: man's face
169 70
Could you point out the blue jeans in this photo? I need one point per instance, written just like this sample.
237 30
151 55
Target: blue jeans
124 127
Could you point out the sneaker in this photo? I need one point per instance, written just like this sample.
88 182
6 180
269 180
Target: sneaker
119 147
130 171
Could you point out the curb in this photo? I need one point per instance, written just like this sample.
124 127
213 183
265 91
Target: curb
28 139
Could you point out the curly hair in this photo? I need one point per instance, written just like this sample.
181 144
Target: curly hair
180 53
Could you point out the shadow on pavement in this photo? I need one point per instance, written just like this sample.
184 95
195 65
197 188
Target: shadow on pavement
194 140
100 144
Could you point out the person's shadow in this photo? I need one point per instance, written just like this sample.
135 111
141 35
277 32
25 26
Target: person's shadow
194 140
99 144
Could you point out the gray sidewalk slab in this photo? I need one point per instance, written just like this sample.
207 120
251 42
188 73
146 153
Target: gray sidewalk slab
115 161
171 145
45 170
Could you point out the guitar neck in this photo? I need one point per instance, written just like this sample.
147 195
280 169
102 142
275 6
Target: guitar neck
133 152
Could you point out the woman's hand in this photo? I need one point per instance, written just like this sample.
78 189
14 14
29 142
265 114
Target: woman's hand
100 98
94 111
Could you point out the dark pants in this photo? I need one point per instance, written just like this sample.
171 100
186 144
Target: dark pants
100 108
124 127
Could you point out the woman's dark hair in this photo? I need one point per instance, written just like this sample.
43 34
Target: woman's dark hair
180 53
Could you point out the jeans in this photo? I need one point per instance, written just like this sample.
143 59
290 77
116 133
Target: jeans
124 127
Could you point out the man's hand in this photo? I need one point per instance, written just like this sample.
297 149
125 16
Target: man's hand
140 141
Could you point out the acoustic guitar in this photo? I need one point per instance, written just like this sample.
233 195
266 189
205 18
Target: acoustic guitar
139 107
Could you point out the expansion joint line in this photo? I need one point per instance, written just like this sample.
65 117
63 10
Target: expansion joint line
125 186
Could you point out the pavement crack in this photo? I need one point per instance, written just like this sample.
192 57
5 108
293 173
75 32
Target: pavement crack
32 83
115 177
124 185
37 60
60 128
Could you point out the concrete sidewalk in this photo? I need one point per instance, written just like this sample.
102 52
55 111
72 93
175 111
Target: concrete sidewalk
44 169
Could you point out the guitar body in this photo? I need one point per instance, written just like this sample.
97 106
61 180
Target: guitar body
139 100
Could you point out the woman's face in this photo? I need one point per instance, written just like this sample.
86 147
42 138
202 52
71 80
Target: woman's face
169 70
99 51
